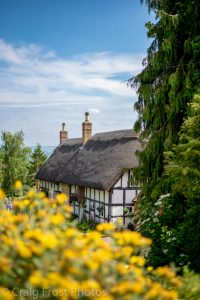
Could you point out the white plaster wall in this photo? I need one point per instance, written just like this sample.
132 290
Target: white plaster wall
87 203
92 193
106 211
118 184
114 220
130 195
106 197
127 221
81 213
117 210
76 211
117 197
102 196
125 180
73 188
96 195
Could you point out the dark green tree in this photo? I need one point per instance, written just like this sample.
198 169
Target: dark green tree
14 160
37 159
167 84
183 169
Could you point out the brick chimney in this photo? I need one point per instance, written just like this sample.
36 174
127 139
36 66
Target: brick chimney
63 134
86 129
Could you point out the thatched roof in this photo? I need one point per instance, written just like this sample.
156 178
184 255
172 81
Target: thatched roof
98 164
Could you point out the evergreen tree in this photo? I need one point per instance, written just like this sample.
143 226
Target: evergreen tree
182 167
14 160
168 82
37 159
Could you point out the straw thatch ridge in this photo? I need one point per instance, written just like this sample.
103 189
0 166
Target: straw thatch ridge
98 164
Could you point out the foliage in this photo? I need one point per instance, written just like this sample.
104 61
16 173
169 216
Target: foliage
14 160
86 225
190 285
42 257
182 167
37 159
168 82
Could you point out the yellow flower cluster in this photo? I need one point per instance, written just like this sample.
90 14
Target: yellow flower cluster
18 185
40 252
2 194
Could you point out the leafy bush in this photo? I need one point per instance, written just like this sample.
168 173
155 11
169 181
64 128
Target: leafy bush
86 225
41 257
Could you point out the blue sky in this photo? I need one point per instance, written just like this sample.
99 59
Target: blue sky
59 59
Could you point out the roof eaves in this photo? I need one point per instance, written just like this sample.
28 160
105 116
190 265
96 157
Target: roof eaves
114 181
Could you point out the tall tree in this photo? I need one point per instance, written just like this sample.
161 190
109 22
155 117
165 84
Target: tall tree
37 159
183 169
170 78
14 160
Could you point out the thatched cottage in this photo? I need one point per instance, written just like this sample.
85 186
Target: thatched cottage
95 171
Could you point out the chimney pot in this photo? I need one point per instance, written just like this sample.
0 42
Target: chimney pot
63 126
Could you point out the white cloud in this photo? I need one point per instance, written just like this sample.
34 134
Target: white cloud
34 75
31 78
94 111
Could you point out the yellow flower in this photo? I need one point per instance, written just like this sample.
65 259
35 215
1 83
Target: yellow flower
36 278
2 194
53 277
6 294
127 251
42 195
5 264
34 233
125 287
41 213
131 238
101 256
140 261
49 241
92 265
35 249
119 221
61 198
68 253
31 194
150 269
165 271
176 281
154 292
23 250
71 232
122 269
170 295
103 296
105 227
90 284
57 219
68 209
18 185
74 270
25 202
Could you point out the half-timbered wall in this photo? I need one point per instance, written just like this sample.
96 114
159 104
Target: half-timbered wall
106 206
95 205
52 188
99 205
122 198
